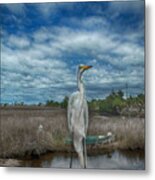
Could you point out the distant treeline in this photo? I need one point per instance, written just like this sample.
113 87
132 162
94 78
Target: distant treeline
114 104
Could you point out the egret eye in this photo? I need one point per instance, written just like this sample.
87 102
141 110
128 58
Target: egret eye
81 67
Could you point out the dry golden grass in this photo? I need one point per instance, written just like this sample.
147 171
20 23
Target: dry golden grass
34 130
129 131
20 133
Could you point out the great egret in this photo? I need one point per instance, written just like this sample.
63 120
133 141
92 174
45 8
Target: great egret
78 117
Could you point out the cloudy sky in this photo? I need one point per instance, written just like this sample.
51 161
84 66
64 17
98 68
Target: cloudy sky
42 45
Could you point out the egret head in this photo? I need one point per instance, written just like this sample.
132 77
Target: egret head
82 68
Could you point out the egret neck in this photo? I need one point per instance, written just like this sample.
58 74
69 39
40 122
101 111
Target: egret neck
80 83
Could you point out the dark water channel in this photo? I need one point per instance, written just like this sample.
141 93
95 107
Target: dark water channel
115 160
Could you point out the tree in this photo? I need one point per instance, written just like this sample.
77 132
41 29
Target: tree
120 94
64 103
113 103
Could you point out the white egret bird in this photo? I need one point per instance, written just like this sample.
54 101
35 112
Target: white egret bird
78 117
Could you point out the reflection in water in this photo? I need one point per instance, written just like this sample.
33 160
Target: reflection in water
114 160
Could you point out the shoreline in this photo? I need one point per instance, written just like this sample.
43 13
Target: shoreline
20 161
91 150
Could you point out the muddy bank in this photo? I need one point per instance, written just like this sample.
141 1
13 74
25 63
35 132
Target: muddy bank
10 162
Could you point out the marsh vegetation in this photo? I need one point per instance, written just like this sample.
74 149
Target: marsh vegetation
31 131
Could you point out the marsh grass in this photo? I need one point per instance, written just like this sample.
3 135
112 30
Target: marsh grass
21 135
129 131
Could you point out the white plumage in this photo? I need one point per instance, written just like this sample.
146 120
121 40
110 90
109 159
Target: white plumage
78 118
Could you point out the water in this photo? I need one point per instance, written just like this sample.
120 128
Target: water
133 160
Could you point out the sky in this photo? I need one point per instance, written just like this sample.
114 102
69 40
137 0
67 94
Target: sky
42 44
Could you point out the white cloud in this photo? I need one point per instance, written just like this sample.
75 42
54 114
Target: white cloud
40 64
47 9
18 42
50 9
16 8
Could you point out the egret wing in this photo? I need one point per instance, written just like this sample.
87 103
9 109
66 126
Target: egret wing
69 114
86 115
71 110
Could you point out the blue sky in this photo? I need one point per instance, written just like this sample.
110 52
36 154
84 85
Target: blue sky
42 45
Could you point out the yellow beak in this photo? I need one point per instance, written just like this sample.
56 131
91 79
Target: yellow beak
86 67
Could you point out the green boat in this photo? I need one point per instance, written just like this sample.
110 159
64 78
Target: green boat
90 140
